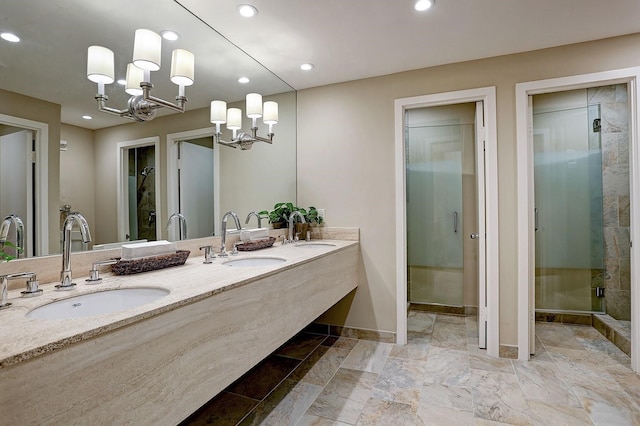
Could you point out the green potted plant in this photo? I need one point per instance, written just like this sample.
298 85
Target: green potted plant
279 216
4 256
312 217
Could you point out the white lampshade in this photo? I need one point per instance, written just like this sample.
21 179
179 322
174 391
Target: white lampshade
254 105
182 65
218 112
147 50
134 76
270 113
100 65
234 119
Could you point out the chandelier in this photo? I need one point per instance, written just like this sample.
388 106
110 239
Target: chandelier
142 106
233 119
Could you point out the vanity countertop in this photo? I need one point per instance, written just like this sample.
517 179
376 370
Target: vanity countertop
24 338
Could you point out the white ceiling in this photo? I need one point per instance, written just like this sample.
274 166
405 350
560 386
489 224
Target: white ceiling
353 39
345 39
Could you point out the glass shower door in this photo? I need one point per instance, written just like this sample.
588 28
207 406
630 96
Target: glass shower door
142 194
434 155
568 201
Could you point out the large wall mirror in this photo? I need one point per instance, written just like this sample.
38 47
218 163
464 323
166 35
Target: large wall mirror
127 178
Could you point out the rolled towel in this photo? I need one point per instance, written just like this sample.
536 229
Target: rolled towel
147 249
254 234
259 233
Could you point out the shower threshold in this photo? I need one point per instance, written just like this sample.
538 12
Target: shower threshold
617 332
439 308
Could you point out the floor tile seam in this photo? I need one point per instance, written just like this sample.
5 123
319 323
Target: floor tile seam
303 359
268 394
248 413
333 375
414 412
265 397
240 395
568 386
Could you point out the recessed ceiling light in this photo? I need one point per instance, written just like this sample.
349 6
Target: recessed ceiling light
306 67
247 10
422 5
243 80
122 82
10 37
87 117
169 35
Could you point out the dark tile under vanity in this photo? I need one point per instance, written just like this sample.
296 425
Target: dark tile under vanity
303 365
254 395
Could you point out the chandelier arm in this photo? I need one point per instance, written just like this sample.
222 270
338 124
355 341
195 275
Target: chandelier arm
166 104
254 134
218 139
102 106
146 95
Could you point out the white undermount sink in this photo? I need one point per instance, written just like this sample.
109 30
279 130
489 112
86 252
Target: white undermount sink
99 303
312 244
255 261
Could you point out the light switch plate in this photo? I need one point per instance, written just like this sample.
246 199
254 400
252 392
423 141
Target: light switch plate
322 214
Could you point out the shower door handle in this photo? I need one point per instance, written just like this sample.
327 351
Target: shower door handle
455 221
535 214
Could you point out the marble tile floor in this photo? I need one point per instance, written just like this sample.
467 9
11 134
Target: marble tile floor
577 377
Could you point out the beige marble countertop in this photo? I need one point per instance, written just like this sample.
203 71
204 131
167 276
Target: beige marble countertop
23 338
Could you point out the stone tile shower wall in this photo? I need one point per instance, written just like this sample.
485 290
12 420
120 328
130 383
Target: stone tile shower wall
614 112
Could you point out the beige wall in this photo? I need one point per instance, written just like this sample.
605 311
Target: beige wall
21 106
77 172
346 159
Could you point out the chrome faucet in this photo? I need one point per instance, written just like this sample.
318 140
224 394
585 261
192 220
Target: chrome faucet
182 222
4 233
65 274
256 215
223 249
291 219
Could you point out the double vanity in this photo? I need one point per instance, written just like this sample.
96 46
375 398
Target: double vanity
153 347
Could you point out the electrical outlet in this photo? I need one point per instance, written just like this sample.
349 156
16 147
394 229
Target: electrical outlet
322 214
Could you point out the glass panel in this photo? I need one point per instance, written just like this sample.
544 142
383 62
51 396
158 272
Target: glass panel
14 154
436 141
196 186
568 201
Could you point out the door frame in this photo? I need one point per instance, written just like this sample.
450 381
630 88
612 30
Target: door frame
488 96
41 212
173 201
123 184
525 191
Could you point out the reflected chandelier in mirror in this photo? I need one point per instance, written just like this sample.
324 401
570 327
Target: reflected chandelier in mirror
147 53
233 117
